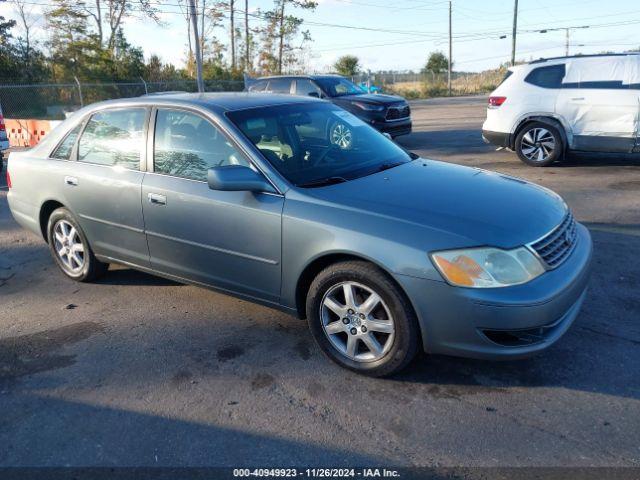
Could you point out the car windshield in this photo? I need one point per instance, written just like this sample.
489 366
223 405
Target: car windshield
313 144
338 86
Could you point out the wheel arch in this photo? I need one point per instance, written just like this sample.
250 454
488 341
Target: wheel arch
315 266
549 120
47 208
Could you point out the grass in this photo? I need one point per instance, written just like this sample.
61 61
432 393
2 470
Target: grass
467 84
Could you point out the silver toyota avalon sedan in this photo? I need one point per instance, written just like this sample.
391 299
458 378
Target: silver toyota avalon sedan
297 204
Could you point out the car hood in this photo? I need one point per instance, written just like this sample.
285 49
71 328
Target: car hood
377 98
476 206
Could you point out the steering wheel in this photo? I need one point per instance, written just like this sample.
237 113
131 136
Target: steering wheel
340 138
323 155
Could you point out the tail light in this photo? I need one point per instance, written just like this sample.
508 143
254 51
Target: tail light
2 127
496 101
8 179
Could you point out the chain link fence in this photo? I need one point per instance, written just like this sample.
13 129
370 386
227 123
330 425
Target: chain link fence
53 101
431 84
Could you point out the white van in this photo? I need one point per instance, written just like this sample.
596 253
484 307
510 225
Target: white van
546 107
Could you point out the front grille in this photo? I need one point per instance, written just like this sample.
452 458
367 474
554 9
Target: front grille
398 112
555 247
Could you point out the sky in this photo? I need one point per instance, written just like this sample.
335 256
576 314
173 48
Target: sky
399 35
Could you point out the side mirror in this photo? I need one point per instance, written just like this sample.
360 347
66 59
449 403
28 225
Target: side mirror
234 178
314 94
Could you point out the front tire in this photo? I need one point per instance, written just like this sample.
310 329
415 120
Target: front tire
70 248
361 319
539 144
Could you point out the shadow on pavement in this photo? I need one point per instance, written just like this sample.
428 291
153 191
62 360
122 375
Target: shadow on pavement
79 434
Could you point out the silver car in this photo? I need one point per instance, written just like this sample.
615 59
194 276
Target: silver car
297 204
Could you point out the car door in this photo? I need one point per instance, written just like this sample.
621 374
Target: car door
600 107
227 239
103 186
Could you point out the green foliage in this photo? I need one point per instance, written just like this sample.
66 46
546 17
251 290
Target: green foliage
437 63
347 65
279 54
84 40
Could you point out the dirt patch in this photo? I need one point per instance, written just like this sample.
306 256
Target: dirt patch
262 380
28 354
230 352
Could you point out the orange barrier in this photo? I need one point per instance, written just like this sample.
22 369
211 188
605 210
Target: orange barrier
27 132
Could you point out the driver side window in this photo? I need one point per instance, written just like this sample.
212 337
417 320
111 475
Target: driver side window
186 145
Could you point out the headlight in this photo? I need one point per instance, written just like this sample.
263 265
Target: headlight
487 267
368 106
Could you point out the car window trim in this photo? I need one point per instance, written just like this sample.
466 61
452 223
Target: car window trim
151 135
143 153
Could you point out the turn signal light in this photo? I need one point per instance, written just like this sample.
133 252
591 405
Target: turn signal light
8 179
496 101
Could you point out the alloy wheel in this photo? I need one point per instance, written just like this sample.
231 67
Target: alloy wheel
341 136
357 322
538 144
68 246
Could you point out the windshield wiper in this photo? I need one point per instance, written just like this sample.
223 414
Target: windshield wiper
321 182
387 166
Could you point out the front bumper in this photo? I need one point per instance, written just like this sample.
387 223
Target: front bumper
394 128
502 323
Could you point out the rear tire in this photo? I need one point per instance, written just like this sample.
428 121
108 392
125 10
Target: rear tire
373 330
70 248
539 144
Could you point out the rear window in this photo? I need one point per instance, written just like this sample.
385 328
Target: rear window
257 86
279 85
547 77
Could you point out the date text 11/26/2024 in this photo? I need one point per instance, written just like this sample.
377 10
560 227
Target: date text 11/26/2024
317 472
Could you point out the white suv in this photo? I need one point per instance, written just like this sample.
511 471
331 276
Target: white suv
546 107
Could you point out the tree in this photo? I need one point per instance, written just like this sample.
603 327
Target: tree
279 33
8 59
27 21
71 44
347 65
437 63
109 14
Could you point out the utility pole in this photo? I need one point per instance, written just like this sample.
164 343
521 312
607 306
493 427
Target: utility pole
567 34
233 34
247 66
515 29
450 52
194 26
281 34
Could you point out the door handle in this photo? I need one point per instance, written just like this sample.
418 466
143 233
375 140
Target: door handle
73 181
577 99
157 199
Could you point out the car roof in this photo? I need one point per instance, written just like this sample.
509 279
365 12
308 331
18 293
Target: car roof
577 57
218 102
314 77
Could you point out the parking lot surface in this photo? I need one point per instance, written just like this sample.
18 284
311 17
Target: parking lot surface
138 370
